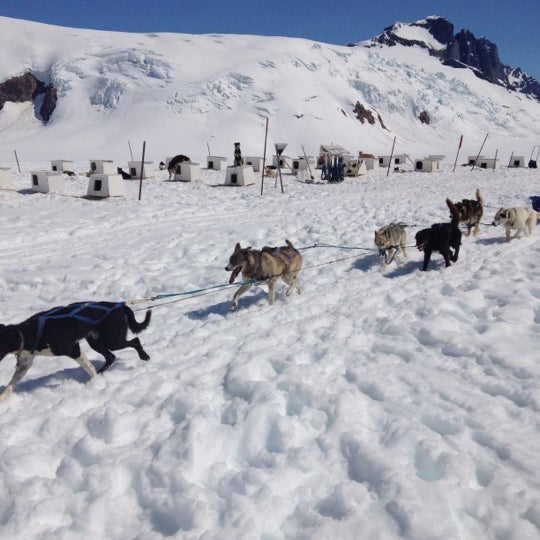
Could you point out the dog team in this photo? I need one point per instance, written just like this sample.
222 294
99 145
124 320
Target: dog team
104 325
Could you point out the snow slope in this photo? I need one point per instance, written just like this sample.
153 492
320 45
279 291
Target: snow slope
182 93
381 403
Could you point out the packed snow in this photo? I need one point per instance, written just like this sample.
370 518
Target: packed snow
383 402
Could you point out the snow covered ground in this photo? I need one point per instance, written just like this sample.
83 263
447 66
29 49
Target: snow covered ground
382 403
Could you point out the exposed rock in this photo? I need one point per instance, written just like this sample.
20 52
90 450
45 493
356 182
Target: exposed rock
27 88
363 114
49 103
462 50
424 118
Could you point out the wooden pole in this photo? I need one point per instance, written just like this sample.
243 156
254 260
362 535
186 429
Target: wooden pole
457 153
264 155
142 169
307 161
479 152
17 160
130 151
510 160
391 157
208 146
495 160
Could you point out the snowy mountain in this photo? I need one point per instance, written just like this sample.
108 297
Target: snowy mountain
382 403
461 50
190 93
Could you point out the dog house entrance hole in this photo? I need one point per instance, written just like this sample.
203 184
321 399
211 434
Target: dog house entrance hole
210 164
34 179
483 165
98 185
93 165
234 178
133 171
419 165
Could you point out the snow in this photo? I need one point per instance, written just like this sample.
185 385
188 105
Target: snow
383 402
386 400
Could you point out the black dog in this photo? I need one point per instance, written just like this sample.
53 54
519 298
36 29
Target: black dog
441 237
124 174
57 332
172 165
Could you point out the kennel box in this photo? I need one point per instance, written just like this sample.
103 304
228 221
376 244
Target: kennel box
240 176
216 163
46 181
284 162
396 160
136 167
428 164
106 185
517 162
255 162
186 172
5 177
301 163
102 166
62 165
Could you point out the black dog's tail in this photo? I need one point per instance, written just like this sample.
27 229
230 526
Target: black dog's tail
133 324
454 211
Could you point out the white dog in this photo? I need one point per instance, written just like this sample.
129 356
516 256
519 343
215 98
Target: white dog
522 219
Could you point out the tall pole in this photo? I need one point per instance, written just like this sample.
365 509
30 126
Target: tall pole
457 154
510 160
264 155
479 152
208 146
495 160
391 157
130 151
142 169
307 161
17 160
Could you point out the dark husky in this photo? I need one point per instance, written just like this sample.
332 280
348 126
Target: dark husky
173 164
441 237
57 332
265 266
471 212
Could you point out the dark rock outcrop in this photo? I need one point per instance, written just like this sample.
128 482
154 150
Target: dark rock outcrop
28 88
462 50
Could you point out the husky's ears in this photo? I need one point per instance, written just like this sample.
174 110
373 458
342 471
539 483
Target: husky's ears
237 248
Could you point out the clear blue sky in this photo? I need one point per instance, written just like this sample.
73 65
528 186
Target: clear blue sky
513 25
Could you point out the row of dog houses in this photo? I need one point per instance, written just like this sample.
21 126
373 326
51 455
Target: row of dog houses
106 180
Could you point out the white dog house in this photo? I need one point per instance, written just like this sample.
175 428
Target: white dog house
216 163
285 162
240 176
255 162
135 168
371 161
517 162
301 163
102 166
396 160
484 162
46 181
5 177
429 164
186 172
106 185
62 165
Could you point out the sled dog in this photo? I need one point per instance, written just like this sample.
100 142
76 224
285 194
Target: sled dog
390 239
265 266
57 332
441 237
522 219
471 212
172 165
